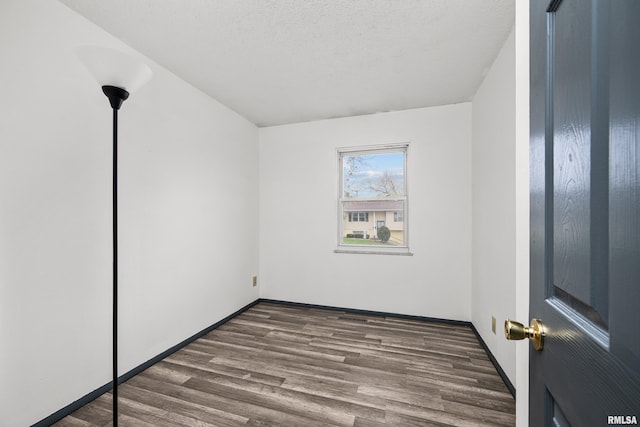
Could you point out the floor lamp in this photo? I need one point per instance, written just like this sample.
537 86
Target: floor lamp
119 75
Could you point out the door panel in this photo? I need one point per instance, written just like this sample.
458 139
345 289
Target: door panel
585 214
624 196
571 137
558 419
580 167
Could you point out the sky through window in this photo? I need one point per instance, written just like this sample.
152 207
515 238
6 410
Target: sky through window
373 175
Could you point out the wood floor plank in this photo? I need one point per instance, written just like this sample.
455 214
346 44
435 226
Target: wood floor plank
157 416
363 422
72 421
212 397
296 411
445 417
327 388
431 400
491 416
504 404
281 365
187 408
93 413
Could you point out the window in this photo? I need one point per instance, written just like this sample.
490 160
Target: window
358 216
373 199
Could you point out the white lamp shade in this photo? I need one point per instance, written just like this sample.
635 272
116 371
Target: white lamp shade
114 68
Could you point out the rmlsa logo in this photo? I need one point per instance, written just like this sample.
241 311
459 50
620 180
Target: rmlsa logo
622 419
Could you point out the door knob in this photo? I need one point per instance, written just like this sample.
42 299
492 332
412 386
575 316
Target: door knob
517 331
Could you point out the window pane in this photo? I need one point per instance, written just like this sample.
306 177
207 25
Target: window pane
369 176
373 200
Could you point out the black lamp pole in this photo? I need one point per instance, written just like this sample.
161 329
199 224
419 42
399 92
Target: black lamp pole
116 97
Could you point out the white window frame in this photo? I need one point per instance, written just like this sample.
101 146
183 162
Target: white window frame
372 249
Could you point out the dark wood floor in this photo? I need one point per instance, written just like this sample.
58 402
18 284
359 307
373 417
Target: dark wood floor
277 365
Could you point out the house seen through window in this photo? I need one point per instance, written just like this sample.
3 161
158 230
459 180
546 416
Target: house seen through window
373 199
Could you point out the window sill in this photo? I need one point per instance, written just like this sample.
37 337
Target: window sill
403 252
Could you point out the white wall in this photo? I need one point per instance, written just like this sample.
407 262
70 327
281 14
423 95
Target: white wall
501 206
494 206
188 214
298 215
522 206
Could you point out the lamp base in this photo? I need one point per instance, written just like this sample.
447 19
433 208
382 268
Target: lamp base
116 95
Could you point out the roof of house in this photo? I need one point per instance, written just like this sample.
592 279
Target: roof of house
374 205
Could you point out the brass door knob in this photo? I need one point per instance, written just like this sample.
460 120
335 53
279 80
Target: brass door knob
517 331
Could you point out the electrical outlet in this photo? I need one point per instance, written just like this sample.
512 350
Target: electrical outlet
255 282
493 325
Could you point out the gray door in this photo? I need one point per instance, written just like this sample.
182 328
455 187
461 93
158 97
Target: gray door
585 211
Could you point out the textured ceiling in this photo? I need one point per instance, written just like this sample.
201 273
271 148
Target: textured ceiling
287 61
